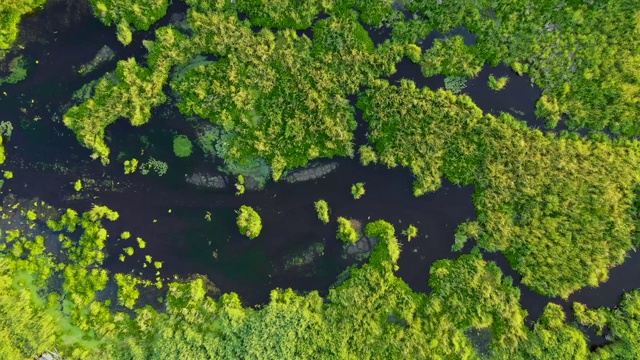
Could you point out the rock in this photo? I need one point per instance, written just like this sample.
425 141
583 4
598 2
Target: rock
311 172
209 181
362 247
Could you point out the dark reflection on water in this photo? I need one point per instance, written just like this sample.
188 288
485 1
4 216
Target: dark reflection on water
185 240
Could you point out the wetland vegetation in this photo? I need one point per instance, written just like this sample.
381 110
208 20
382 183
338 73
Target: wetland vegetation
216 134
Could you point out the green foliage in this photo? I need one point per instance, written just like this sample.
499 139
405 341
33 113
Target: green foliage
141 14
240 189
3 155
7 174
182 146
249 222
322 209
77 186
6 129
623 324
583 56
280 14
124 33
130 166
455 84
346 232
125 235
17 71
560 208
357 190
367 155
497 84
451 57
10 13
131 94
410 232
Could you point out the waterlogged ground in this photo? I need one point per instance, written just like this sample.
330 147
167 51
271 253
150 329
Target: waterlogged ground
192 229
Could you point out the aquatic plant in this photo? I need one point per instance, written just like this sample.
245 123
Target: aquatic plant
182 146
455 84
77 185
6 129
17 71
240 185
249 222
130 166
497 84
322 209
160 167
346 232
357 190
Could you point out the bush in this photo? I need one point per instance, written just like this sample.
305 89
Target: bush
410 232
322 208
249 222
357 190
497 84
346 232
182 146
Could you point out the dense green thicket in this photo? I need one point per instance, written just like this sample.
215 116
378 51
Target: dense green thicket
10 13
131 93
53 297
584 55
622 323
140 14
559 207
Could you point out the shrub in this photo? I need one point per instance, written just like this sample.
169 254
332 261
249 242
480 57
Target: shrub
249 222
410 232
357 190
346 232
322 208
497 84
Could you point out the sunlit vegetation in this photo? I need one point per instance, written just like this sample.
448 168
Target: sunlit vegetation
438 59
346 232
322 210
583 56
160 167
622 323
357 190
10 13
410 232
3 155
240 189
560 207
455 84
249 222
194 325
497 84
182 146
140 14
131 93
77 186
130 166
17 70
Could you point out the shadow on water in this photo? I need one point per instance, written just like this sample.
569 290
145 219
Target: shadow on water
170 216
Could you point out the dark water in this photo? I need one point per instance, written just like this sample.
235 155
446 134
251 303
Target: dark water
182 238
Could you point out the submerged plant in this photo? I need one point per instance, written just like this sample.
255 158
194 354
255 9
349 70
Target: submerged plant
455 84
182 146
497 84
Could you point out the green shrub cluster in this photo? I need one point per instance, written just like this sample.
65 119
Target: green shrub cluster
582 55
249 222
10 13
561 208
